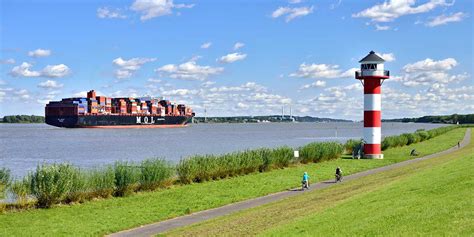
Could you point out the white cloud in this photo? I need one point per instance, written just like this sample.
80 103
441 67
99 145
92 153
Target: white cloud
22 94
154 80
23 70
431 65
428 72
154 8
39 53
128 67
388 57
44 99
8 61
55 71
52 71
50 84
381 28
233 57
315 84
238 45
292 13
321 71
349 73
206 45
105 12
188 71
393 9
445 19
244 99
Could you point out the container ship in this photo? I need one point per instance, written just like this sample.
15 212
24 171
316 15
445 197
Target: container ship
105 112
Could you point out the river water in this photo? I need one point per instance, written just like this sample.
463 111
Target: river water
23 146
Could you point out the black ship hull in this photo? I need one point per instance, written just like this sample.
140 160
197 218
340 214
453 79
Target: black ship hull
116 121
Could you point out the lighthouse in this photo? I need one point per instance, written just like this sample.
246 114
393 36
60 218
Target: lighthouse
372 76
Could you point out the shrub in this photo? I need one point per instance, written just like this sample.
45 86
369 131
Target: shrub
51 184
154 172
424 135
126 177
101 182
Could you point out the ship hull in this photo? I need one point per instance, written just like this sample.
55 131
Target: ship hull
117 121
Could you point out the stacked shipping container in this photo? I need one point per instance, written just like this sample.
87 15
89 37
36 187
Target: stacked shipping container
101 105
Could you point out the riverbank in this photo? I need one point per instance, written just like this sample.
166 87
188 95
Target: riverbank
111 215
424 197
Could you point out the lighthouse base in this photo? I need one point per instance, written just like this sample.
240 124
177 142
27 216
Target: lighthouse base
373 156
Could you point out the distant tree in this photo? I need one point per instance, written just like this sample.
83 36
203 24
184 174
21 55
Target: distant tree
23 119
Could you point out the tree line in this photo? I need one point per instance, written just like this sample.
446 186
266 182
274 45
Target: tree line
22 119
452 119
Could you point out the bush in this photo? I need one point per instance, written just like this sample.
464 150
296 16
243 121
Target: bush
51 184
424 135
101 182
154 172
126 178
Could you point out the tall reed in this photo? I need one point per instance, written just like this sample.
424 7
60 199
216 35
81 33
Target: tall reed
101 182
154 173
126 178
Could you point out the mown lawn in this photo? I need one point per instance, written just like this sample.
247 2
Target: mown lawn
115 214
428 198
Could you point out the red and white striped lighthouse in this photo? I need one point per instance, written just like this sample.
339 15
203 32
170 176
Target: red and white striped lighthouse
372 75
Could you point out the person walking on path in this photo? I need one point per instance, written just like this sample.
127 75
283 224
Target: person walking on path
459 145
305 181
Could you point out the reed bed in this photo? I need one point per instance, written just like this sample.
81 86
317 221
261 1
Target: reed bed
320 151
411 138
5 177
202 168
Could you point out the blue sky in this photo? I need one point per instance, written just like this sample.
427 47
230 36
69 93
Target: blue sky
239 57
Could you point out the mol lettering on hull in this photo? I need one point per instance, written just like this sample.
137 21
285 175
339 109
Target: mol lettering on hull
148 120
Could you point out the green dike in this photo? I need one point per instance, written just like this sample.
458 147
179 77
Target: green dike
115 214
431 197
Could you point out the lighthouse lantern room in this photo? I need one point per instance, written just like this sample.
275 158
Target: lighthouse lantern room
372 75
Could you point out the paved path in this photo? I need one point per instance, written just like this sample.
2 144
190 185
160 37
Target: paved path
160 227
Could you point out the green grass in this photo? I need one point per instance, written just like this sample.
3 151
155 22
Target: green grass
432 197
115 214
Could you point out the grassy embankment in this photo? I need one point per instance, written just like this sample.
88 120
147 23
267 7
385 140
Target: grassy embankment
110 215
431 197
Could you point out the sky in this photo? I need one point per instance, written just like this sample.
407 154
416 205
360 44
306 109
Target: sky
244 57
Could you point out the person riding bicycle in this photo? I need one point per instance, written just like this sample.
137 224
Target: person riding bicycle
305 180
338 174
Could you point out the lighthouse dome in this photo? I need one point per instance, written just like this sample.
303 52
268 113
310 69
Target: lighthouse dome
372 57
